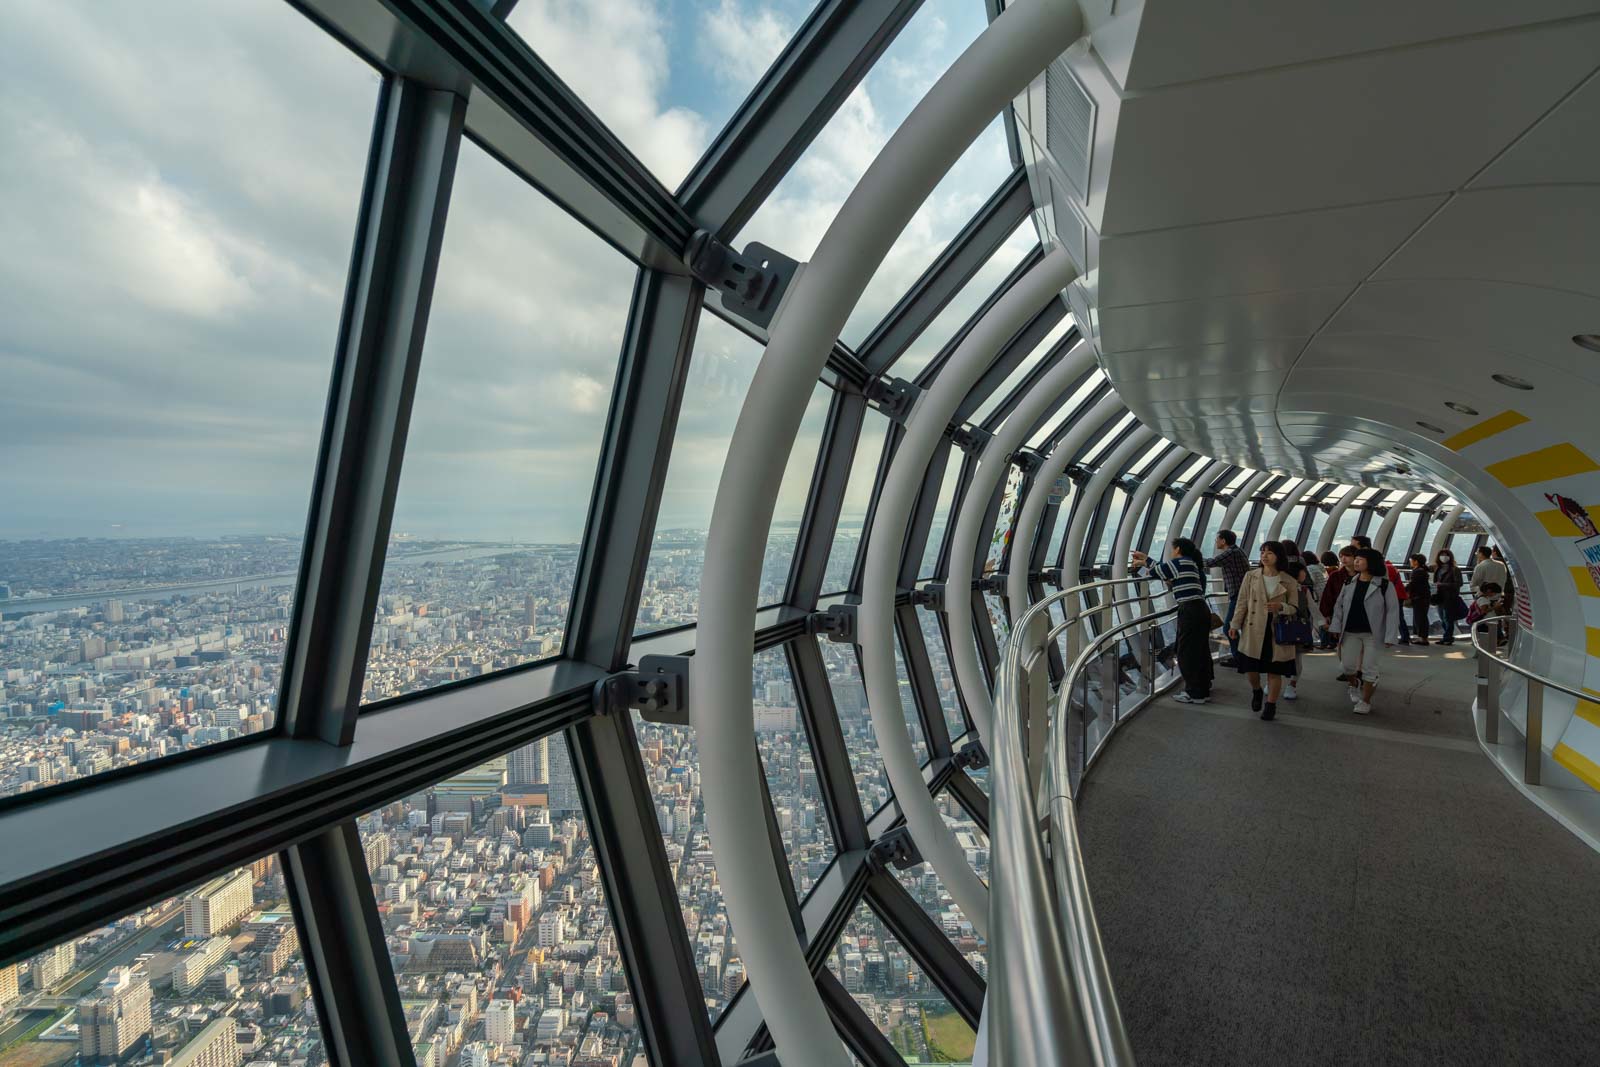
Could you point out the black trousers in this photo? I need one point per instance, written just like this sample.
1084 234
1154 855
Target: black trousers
1419 620
1194 647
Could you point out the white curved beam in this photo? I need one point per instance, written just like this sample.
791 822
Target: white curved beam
875 617
1110 470
992 467
1240 499
1142 496
1191 500
1390 521
1094 421
962 103
1325 539
1447 527
1290 502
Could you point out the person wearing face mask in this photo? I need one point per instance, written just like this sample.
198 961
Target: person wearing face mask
1447 594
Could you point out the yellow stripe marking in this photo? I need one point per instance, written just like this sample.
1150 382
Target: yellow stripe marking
1579 764
1556 524
1588 710
1592 640
1584 581
1547 464
1487 428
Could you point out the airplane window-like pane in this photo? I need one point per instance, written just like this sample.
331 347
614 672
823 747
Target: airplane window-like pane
212 976
850 532
720 373
664 77
897 995
1098 452
517 371
1162 532
1345 527
958 196
170 288
495 914
968 299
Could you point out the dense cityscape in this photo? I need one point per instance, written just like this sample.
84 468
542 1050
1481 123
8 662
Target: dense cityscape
113 652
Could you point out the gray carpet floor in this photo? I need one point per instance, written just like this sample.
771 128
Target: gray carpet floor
1335 889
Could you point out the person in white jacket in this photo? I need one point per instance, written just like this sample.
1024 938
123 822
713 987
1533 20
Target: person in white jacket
1367 619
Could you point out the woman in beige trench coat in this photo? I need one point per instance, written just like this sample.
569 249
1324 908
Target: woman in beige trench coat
1267 592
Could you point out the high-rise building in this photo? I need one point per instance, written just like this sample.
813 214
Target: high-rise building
500 1022
8 985
115 1017
214 1046
563 786
54 964
113 611
218 904
532 609
530 764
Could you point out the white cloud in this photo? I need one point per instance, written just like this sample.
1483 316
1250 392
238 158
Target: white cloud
615 56
741 42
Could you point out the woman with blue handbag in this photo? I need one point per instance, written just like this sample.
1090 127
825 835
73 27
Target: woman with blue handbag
1266 622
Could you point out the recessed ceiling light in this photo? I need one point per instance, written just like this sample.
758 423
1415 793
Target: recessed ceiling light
1430 427
1462 408
1511 381
1591 341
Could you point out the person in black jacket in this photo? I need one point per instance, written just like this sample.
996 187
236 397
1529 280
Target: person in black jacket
1417 592
1447 595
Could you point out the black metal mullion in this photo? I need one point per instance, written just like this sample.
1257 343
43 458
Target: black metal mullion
835 778
633 866
971 798
836 455
925 376
634 457
347 957
388 295
919 672
962 258
928 945
860 1033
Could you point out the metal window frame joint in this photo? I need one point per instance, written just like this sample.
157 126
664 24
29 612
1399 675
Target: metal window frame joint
751 284
658 691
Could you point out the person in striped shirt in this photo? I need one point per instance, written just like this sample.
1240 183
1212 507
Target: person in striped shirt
1184 574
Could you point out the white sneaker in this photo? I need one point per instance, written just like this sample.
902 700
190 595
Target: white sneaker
1289 693
1362 708
1185 698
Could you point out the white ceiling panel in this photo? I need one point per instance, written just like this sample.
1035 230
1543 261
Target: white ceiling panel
1242 358
1216 320
1306 250
1563 147
1545 235
1383 125
1181 40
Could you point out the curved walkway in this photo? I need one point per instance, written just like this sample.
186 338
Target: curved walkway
1336 889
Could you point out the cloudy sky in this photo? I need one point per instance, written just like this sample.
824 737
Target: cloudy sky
178 189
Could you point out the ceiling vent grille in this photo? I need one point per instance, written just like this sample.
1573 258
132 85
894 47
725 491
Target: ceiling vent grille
1069 226
1069 125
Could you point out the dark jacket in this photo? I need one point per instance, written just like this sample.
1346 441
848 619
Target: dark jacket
1447 581
1417 587
1337 577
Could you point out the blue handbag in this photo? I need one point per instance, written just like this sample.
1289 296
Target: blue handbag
1291 630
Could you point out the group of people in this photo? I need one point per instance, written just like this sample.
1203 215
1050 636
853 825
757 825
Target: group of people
1353 602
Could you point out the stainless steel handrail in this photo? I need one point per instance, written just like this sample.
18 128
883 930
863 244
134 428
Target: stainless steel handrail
1490 664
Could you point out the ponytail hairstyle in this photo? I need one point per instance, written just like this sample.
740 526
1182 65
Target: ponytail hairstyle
1189 550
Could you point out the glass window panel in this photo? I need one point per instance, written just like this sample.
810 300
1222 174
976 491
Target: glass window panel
1400 540
1161 533
895 993
855 722
495 915
720 373
999 621
215 973
1020 372
1108 534
664 77
1142 465
908 706
1213 527
1102 447
847 536
1063 520
797 214
527 321
1080 396
1192 470
791 770
1345 527
944 677
1238 478
952 204
170 293
1319 519
968 299
943 520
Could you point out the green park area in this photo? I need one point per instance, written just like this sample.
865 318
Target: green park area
950 1039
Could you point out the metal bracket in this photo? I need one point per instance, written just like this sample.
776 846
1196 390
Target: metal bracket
751 284
892 396
658 690
971 756
1077 473
1128 484
993 583
930 595
1048 576
970 439
897 848
838 623
1175 492
1026 460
